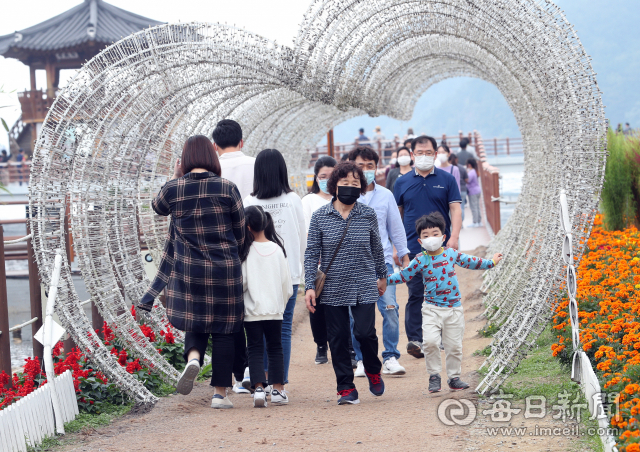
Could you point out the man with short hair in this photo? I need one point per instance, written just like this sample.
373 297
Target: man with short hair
391 233
237 168
236 165
427 189
463 154
362 136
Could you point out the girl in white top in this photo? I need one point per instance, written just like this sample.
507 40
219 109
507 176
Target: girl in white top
319 195
267 287
271 191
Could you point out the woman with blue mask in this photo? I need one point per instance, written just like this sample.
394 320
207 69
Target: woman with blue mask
318 197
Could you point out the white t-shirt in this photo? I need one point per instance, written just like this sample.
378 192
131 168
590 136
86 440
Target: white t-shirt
238 168
288 218
310 204
266 282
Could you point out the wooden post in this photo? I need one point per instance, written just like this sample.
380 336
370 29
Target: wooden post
495 146
380 163
330 149
496 209
50 68
507 146
69 344
5 337
32 71
35 296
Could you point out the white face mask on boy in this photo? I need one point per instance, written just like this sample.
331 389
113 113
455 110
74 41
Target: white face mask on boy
432 243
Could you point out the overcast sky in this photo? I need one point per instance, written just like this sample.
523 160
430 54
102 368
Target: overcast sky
275 19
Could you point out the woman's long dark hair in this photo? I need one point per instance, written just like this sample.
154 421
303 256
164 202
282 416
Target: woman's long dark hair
325 160
474 164
270 177
259 220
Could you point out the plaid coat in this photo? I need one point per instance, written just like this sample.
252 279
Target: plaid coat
200 264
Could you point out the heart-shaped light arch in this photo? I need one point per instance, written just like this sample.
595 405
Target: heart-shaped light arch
111 137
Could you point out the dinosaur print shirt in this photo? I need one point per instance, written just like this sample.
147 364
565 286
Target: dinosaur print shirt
439 275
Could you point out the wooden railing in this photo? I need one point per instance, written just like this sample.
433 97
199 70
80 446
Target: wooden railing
15 172
35 105
490 180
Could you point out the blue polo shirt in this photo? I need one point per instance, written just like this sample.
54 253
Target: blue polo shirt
419 196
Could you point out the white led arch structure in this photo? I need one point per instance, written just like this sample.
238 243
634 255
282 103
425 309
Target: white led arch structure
111 137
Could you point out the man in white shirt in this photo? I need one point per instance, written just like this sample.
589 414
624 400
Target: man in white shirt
236 166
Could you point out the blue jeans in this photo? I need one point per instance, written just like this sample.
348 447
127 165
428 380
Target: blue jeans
388 307
287 322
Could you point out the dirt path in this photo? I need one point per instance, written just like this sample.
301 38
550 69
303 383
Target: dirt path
405 418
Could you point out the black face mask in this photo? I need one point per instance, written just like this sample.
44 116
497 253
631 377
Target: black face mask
348 195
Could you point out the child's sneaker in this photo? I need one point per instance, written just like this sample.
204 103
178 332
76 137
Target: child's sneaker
348 396
259 398
188 376
434 383
217 401
239 389
279 397
376 385
246 381
455 384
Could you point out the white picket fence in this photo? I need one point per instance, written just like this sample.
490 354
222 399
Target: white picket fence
30 420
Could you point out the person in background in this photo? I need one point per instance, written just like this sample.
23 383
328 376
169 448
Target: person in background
356 279
4 158
627 128
464 178
403 166
20 158
391 230
409 136
377 134
443 157
4 171
418 193
463 154
319 197
442 313
200 266
237 168
267 287
473 188
392 163
271 191
362 137
407 143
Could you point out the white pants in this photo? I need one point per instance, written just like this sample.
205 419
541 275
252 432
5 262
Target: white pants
446 325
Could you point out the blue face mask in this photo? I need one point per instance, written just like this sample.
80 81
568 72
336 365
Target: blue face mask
370 175
322 184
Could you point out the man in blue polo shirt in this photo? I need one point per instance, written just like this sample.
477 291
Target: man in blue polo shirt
422 191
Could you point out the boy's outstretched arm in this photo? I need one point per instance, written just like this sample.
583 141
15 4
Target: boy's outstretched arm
477 263
415 267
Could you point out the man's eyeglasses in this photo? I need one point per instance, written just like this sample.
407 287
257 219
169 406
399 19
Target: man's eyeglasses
427 153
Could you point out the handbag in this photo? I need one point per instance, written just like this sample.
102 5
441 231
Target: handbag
321 276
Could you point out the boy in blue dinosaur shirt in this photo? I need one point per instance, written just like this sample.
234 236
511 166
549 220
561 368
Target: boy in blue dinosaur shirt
442 315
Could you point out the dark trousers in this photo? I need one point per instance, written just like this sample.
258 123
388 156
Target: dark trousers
413 310
339 332
221 354
318 326
257 333
240 354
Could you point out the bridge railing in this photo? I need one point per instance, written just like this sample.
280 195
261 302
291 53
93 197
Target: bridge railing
490 181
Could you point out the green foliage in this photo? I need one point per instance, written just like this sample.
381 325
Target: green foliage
488 330
617 195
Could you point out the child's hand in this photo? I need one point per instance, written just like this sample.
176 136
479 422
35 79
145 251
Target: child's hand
497 258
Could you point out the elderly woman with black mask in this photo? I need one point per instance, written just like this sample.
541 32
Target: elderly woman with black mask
344 239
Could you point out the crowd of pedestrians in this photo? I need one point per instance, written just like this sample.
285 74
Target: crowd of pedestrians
241 242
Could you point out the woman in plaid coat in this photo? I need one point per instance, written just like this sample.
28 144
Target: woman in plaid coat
200 266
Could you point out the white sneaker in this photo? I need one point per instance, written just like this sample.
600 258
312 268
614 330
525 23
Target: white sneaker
188 376
246 381
268 389
392 367
239 389
360 370
221 402
259 398
279 397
